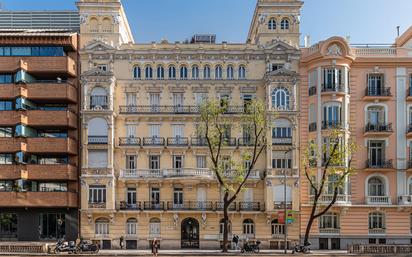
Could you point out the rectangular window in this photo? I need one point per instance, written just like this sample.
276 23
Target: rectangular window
155 195
201 161
280 160
102 67
6 185
97 158
131 196
178 197
97 194
200 98
178 130
177 162
130 99
6 78
375 84
6 105
376 152
154 99
131 131
52 225
131 162
52 187
154 130
6 158
154 162
6 132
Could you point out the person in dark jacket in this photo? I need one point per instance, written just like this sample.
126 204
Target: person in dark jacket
155 247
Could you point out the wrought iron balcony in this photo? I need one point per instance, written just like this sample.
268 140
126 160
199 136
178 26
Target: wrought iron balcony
97 140
191 206
278 230
130 141
379 164
246 141
177 141
281 205
173 109
198 141
380 127
333 88
282 141
332 125
130 206
153 141
329 231
220 205
153 206
166 173
382 91
99 205
229 141
249 206
98 102
312 127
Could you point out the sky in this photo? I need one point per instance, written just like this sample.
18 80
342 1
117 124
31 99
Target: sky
365 21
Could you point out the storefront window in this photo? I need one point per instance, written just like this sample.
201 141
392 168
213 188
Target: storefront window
52 225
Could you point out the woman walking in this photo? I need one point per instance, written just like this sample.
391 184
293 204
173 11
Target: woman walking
155 246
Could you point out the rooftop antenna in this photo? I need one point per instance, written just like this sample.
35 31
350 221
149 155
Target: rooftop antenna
398 29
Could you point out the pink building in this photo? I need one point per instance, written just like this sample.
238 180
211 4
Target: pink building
367 92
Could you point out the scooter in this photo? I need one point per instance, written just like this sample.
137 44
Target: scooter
247 247
64 246
305 248
85 246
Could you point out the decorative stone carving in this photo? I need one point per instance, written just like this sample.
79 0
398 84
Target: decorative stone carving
262 18
116 19
175 219
334 50
204 219
83 18
89 218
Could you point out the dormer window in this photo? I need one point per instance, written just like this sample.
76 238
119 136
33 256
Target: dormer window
272 24
284 24
275 67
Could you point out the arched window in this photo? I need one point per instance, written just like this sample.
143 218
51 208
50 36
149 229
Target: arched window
98 98
107 25
137 72
131 226
280 98
278 229
248 228
229 72
160 72
195 72
172 72
222 225
183 72
206 72
218 72
272 24
148 72
154 227
376 187
94 25
101 226
242 72
376 220
284 24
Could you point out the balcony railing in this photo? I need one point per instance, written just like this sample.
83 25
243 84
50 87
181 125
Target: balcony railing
332 125
153 206
379 164
191 206
167 173
246 142
198 141
327 198
282 141
249 206
312 127
377 231
378 127
312 91
171 109
329 231
280 172
130 141
153 141
229 141
281 205
230 174
333 88
383 91
378 200
98 102
130 206
220 205
177 141
97 140
405 200
101 205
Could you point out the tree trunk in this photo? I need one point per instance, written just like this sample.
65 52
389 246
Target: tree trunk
225 227
311 219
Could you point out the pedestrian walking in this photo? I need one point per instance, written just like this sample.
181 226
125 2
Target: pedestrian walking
236 241
155 247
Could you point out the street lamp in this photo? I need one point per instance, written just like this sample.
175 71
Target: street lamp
285 205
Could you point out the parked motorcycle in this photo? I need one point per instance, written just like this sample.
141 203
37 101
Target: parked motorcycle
85 246
305 248
248 247
65 246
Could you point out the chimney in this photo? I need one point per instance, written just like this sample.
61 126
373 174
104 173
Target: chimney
398 30
307 40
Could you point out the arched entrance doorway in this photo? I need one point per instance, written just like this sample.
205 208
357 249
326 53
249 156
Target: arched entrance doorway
190 233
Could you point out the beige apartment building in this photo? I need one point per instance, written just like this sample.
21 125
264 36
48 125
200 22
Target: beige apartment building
145 172
365 91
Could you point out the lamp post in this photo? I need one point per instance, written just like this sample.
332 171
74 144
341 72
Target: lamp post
285 208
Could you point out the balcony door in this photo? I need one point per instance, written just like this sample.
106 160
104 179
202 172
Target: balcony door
131 197
201 197
178 102
178 198
376 116
178 133
155 197
376 153
331 115
154 99
375 84
178 163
